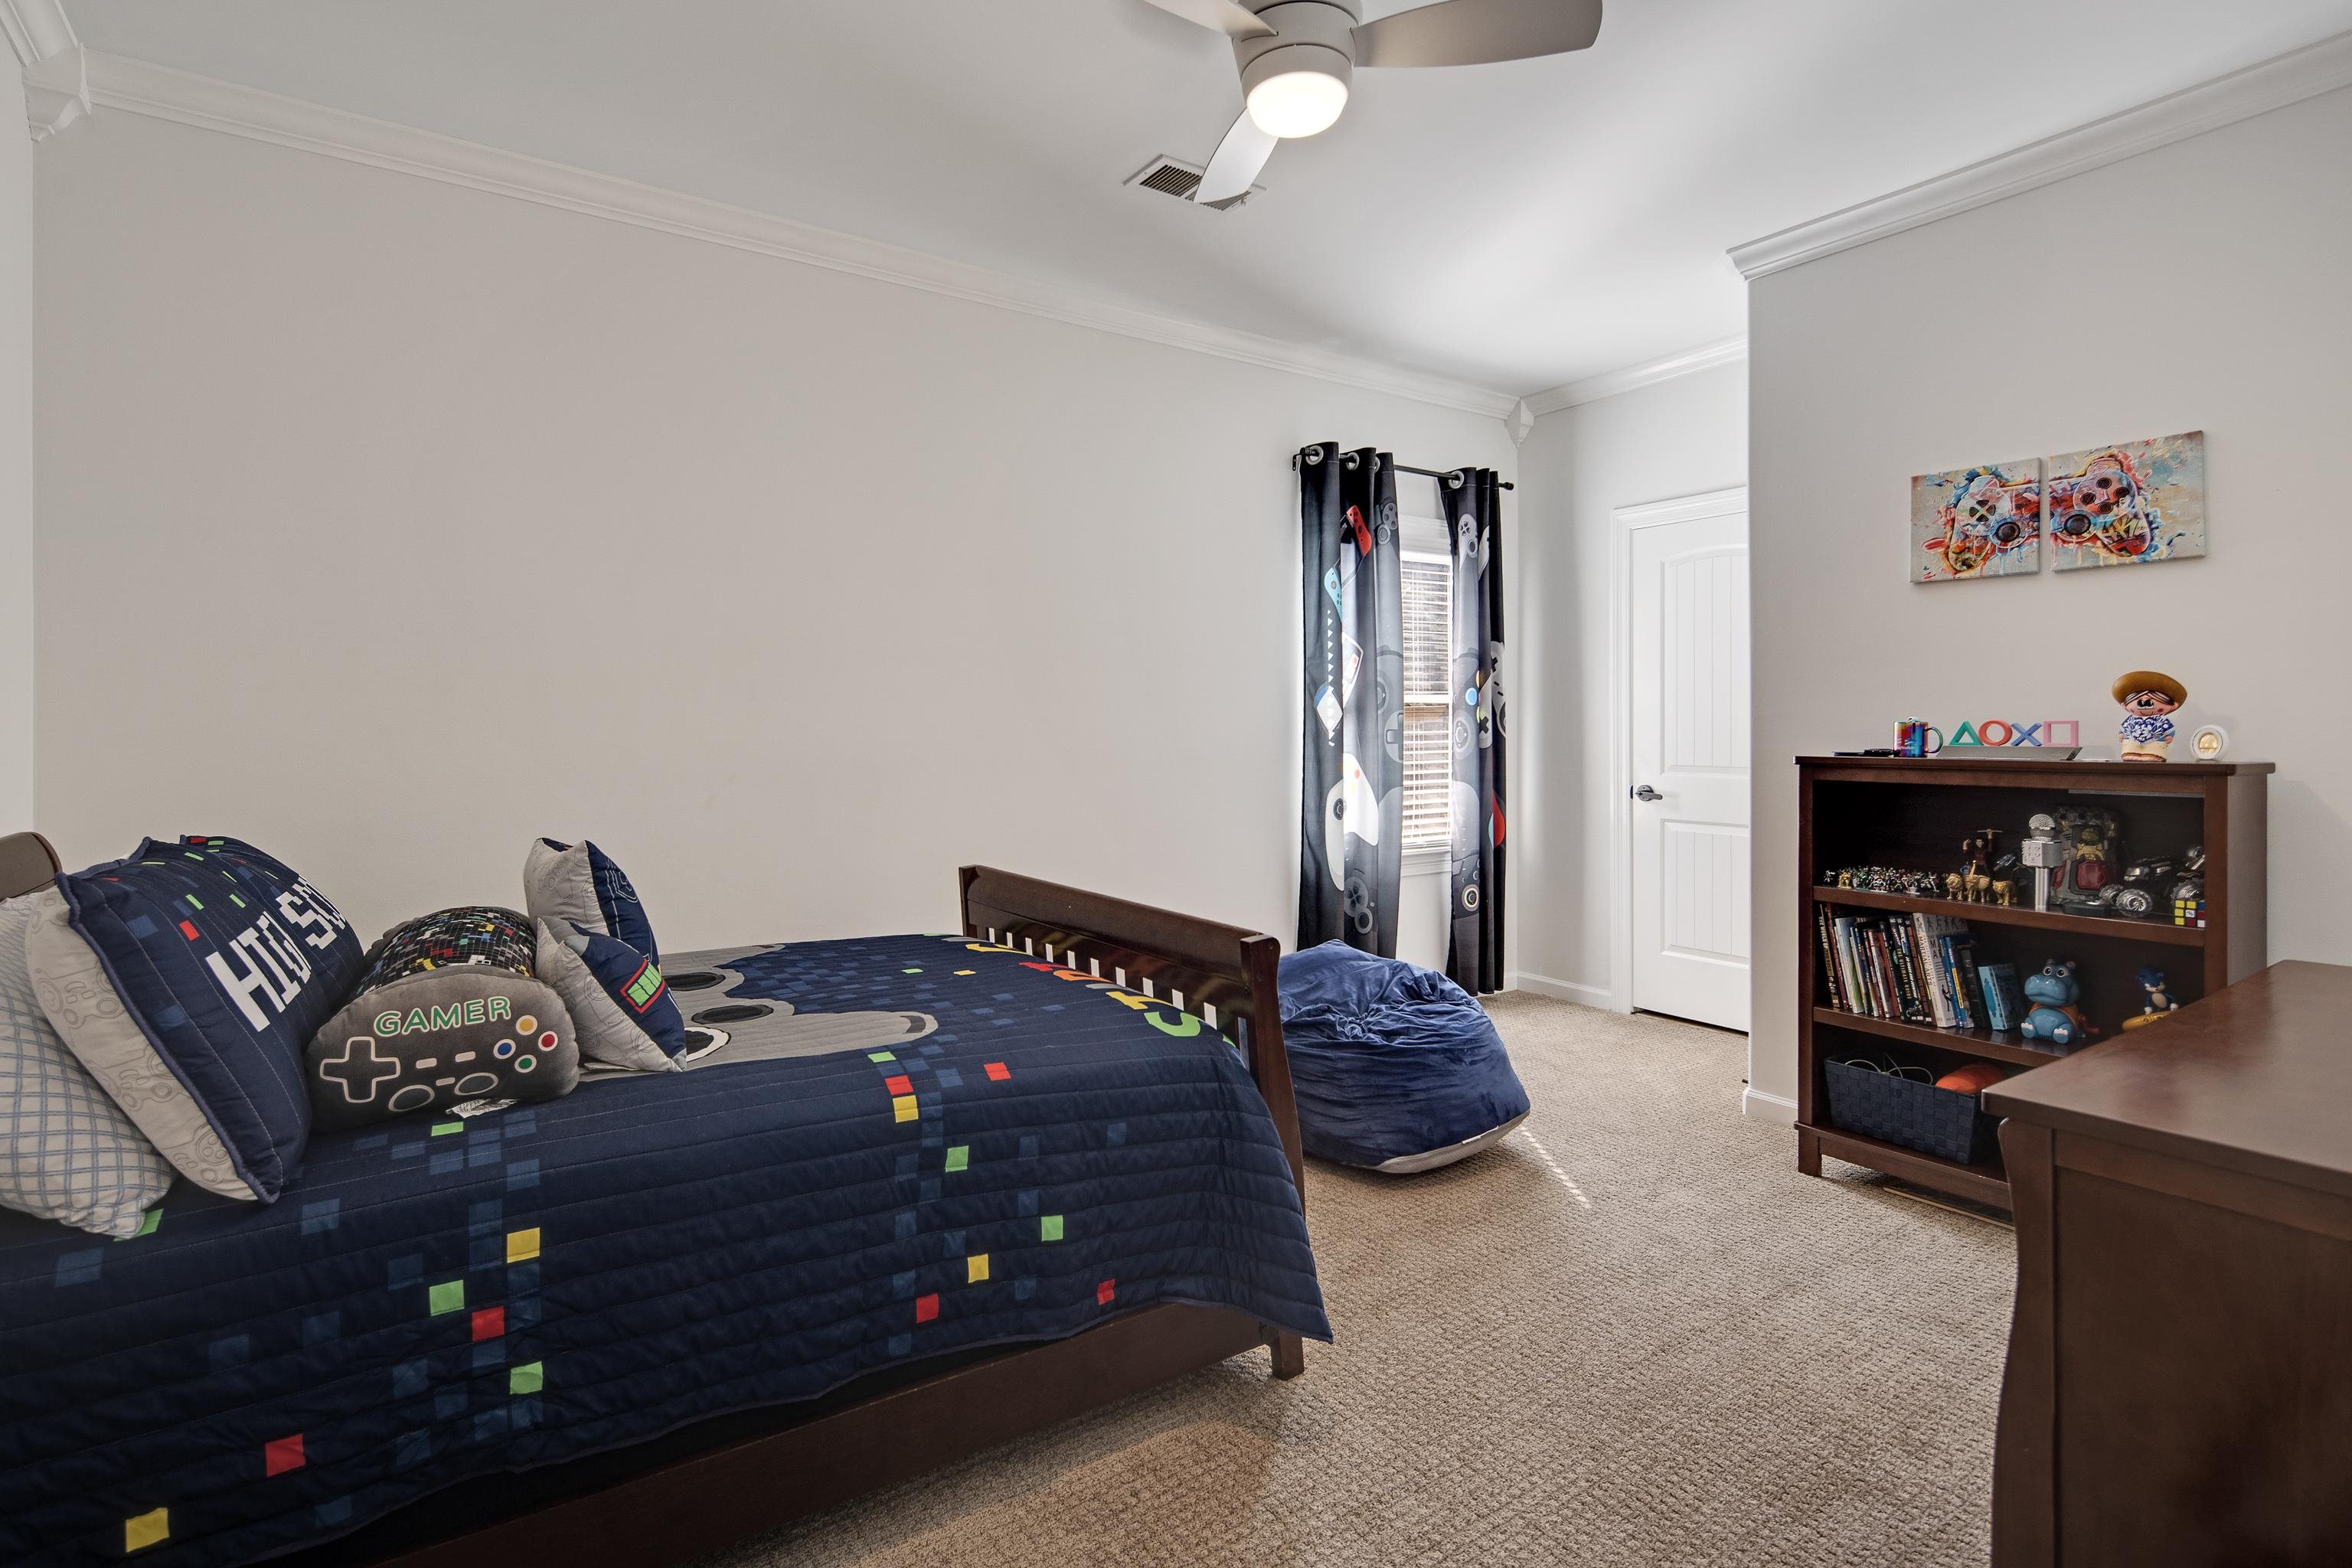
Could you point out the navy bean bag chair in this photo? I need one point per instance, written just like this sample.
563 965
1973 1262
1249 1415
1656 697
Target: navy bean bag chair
1396 1068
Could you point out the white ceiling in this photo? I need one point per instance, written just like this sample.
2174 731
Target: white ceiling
1516 225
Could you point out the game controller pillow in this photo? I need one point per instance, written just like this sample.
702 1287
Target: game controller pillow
451 1009
66 1151
578 882
187 979
618 999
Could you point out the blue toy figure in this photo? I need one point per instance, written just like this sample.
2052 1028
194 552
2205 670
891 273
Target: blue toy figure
2054 994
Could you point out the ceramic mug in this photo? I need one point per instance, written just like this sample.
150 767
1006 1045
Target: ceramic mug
1917 738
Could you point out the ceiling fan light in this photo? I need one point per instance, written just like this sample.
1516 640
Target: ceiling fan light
1298 104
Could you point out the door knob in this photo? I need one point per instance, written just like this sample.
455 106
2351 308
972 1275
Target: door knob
1643 792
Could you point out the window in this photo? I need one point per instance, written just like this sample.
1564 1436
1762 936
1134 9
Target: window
1428 710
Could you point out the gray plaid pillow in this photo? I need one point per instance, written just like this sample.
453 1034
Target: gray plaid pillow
66 1151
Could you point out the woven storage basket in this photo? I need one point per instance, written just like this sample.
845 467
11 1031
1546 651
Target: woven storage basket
1946 1123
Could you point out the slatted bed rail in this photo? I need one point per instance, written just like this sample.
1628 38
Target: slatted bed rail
1223 974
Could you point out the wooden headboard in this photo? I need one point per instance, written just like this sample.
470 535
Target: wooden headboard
27 864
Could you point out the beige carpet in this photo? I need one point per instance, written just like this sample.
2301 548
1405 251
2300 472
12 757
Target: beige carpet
1632 1334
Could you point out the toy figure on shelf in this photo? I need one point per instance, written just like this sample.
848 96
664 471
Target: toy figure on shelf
2005 872
1976 864
2140 894
2150 699
2188 893
2044 852
1955 885
2092 843
2161 1002
2055 1017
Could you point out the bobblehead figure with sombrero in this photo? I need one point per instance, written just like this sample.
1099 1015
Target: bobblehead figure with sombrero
2150 699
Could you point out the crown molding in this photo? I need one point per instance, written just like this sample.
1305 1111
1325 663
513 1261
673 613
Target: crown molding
35 30
57 85
2289 79
1631 377
137 87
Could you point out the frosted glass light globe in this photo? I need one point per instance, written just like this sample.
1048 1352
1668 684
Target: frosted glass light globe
1298 104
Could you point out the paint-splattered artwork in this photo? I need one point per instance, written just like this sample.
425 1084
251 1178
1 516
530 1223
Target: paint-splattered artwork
2122 505
1984 522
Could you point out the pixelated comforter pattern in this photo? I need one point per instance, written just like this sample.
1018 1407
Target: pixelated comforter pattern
436 1299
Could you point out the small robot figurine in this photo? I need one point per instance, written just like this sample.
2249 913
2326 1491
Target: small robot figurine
2093 842
2161 1002
2150 699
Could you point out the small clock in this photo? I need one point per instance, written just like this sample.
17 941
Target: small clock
2210 742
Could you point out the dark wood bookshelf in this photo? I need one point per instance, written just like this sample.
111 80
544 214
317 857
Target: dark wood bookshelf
1914 812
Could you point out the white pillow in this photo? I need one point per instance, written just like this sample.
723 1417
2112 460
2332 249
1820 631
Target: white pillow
67 1151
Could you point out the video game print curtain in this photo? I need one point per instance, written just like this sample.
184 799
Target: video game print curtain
1473 958
1351 821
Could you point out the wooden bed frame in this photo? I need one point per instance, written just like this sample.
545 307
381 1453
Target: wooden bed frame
717 1483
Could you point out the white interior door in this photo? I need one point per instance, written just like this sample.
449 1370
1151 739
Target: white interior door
1687 700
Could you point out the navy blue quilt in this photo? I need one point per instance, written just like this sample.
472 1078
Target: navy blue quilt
904 1147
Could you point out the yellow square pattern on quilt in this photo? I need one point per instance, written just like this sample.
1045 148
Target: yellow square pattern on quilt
146 1530
975 1268
522 1245
903 1106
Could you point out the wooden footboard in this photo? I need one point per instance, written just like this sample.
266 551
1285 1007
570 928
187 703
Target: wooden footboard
1219 972
731 1478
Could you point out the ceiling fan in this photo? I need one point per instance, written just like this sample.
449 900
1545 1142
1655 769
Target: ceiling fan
1298 57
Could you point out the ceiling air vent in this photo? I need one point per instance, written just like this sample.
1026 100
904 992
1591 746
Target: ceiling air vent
1171 178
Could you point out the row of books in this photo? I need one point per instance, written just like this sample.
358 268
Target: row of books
1915 969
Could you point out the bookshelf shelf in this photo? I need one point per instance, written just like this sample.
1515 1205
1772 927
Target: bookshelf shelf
2003 1047
1994 914
1983 1183
1889 812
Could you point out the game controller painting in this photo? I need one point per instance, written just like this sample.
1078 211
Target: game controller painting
732 1019
1983 522
2128 504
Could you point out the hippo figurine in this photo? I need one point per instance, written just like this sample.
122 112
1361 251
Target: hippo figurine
2055 1017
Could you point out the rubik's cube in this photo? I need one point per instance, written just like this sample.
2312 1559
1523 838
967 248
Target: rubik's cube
2188 912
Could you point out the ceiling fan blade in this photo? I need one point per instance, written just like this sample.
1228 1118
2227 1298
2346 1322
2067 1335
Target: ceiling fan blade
1478 32
1240 157
1218 15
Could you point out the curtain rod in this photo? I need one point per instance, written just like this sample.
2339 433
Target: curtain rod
1452 477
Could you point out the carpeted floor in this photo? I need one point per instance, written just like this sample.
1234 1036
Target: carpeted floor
1632 1334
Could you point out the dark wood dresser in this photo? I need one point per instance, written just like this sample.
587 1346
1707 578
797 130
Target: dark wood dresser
2179 1380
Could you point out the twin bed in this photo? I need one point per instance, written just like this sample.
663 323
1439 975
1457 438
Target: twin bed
923 1195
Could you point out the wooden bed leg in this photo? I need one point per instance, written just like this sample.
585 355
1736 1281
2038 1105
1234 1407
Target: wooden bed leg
1289 1356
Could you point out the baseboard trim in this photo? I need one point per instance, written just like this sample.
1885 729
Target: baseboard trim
1563 990
1769 1108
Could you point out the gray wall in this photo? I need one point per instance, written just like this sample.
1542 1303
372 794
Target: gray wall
389 523
1680 437
2211 294
15 457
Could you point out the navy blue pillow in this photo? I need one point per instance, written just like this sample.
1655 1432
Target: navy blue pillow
228 961
634 983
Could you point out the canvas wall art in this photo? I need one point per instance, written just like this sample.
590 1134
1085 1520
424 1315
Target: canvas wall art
2129 504
1984 522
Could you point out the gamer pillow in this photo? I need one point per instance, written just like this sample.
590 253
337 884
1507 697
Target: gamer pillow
187 979
618 1000
580 883
450 1010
